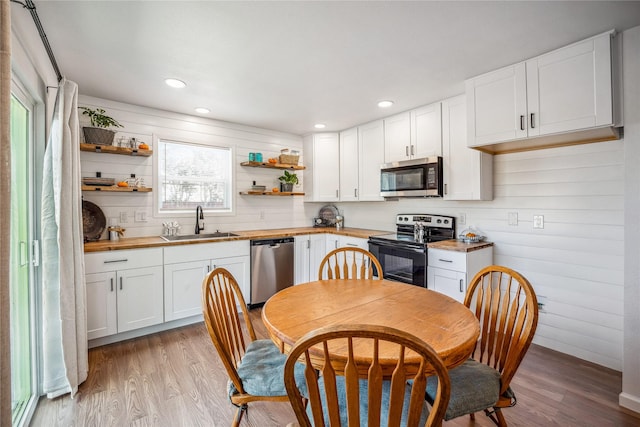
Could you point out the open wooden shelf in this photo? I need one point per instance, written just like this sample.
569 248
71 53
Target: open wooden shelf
272 165
270 193
112 149
115 188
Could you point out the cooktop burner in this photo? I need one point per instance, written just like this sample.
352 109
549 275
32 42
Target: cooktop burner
436 228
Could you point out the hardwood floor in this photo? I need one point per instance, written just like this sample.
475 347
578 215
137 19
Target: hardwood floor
175 378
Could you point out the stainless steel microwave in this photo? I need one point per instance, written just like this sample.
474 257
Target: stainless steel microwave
412 178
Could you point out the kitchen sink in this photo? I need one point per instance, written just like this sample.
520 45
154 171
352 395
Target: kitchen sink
201 236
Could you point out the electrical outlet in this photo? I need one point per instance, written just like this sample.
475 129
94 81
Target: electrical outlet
513 218
124 217
538 221
462 219
141 216
542 303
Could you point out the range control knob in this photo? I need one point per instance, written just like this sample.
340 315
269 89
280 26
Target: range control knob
446 221
439 221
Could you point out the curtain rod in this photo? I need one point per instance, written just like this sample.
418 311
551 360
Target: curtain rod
43 36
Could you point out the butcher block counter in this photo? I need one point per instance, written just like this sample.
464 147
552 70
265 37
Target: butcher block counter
459 246
156 241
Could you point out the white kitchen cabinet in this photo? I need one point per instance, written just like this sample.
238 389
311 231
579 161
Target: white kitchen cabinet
309 250
426 131
361 154
397 137
568 90
185 267
124 291
449 272
468 173
354 242
370 157
349 185
322 159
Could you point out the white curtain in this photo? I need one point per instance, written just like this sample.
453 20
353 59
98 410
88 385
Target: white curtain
65 353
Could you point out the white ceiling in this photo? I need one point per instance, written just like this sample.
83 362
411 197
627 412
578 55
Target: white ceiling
287 65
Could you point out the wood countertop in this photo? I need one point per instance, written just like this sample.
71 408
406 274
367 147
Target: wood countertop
458 246
156 241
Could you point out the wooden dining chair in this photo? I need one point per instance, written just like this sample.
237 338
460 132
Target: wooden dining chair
506 306
363 396
255 367
349 263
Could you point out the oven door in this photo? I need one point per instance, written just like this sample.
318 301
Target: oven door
401 263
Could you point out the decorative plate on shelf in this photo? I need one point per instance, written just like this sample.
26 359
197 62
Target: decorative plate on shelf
93 221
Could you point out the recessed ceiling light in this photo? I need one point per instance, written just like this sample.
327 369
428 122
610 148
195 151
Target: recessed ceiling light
202 110
319 126
178 84
385 104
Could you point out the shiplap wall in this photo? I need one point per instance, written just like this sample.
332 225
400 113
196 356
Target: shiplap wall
250 212
575 262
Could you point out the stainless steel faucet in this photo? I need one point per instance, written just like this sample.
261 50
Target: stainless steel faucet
199 218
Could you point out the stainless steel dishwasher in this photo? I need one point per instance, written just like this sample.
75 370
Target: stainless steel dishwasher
271 268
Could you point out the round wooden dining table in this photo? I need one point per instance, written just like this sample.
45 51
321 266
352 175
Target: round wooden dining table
445 324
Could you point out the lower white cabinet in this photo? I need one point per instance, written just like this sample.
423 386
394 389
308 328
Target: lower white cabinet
124 291
355 242
309 250
186 266
449 272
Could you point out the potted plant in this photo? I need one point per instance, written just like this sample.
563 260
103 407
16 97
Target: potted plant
99 133
289 179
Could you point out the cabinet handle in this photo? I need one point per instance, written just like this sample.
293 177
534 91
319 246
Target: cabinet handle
355 192
208 268
308 244
336 244
412 149
112 284
116 260
337 194
406 150
521 122
445 260
445 189
120 282
352 244
533 124
461 286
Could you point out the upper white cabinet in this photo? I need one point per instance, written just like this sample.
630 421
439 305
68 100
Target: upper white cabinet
468 173
414 134
397 137
426 131
563 97
321 179
349 165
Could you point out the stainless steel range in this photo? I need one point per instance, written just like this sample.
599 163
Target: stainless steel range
403 255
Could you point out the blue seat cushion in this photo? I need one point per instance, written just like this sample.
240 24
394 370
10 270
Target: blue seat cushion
364 404
262 371
474 387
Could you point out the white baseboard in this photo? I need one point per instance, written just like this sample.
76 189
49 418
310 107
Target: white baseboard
629 401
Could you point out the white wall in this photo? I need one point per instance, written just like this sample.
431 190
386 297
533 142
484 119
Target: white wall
251 212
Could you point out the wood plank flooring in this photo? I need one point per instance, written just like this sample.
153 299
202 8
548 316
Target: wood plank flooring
175 378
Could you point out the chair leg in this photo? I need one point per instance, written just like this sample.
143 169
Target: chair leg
239 414
501 421
495 414
472 416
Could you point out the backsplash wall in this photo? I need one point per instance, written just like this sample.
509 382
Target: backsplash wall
145 124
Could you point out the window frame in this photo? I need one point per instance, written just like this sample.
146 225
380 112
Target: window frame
188 213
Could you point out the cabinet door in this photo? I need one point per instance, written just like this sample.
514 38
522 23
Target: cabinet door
397 137
349 165
570 88
426 131
326 157
318 250
468 173
301 249
497 106
140 298
240 268
448 282
183 289
370 157
101 305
